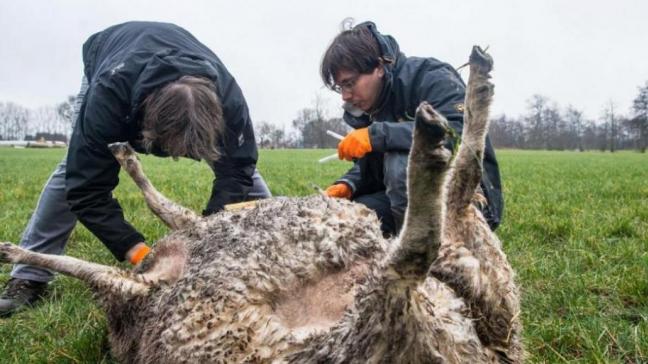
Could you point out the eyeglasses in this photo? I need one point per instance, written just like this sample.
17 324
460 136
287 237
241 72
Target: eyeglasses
347 85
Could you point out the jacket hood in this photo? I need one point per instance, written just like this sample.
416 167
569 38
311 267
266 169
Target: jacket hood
389 49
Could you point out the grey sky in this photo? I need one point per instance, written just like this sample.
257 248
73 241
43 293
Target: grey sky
584 53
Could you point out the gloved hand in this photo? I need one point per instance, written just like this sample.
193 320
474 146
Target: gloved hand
137 253
339 190
355 145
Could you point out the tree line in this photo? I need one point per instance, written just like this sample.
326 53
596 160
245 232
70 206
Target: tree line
308 129
547 126
544 125
51 122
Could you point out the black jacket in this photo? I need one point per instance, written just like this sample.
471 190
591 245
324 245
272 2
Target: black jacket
407 82
123 65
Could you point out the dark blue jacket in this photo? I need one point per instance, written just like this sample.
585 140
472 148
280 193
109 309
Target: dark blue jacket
123 65
407 82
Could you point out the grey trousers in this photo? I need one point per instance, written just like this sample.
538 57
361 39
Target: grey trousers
391 203
52 222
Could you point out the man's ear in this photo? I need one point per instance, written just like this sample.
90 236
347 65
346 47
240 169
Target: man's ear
381 70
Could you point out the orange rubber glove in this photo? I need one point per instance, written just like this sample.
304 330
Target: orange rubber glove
340 190
139 254
355 145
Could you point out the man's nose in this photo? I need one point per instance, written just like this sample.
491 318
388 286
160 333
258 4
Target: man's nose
346 95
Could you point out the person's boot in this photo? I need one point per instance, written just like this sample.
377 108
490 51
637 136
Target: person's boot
20 293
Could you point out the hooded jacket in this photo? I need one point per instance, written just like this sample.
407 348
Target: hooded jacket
407 82
123 65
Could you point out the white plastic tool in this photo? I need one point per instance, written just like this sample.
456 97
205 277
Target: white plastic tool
332 156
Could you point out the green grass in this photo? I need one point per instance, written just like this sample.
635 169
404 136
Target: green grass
575 230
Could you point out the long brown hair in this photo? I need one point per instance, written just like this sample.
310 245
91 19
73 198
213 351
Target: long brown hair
184 119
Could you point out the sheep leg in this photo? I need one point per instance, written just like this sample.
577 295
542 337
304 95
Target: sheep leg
104 279
467 168
428 163
470 259
172 214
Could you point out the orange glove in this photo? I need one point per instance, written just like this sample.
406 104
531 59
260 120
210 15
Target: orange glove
139 254
355 145
340 190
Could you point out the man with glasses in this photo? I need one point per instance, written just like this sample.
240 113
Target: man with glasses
381 89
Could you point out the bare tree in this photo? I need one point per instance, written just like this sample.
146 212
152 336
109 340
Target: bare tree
536 120
576 125
507 132
498 132
312 124
639 121
13 121
554 128
271 136
50 123
263 130
611 123
277 138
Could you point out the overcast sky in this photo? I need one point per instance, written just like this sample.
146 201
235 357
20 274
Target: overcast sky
584 53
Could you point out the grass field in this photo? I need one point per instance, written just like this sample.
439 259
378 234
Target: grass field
575 230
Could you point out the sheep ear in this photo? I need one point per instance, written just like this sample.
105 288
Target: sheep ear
103 279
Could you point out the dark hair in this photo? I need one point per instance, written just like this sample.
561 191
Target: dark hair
353 50
184 119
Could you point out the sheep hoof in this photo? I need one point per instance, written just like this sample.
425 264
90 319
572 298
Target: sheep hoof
9 253
121 150
480 59
431 123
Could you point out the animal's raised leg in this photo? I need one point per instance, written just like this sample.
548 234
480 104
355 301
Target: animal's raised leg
172 214
105 280
470 258
467 167
428 163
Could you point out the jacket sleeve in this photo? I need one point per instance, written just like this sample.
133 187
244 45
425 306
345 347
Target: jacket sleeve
443 89
353 178
92 173
235 168
391 136
446 92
